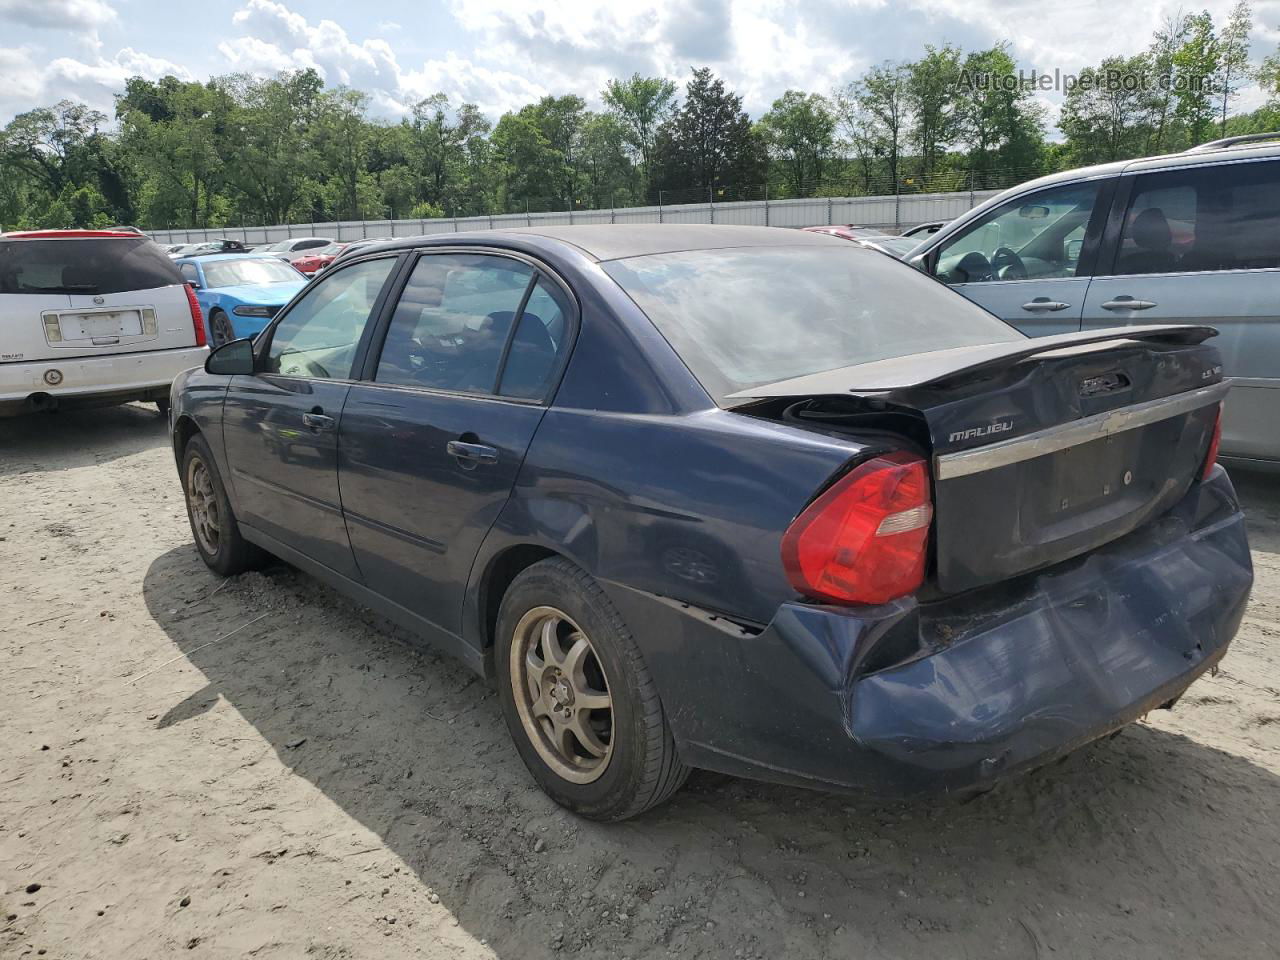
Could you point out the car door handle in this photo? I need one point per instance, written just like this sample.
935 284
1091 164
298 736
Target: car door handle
317 421
1044 305
1128 303
472 452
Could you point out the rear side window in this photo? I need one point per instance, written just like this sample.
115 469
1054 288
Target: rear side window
453 321
1203 219
91 265
747 316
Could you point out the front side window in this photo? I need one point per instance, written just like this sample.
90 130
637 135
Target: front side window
742 317
318 337
1221 217
451 326
1031 238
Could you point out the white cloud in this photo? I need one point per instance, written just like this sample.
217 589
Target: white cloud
25 85
58 14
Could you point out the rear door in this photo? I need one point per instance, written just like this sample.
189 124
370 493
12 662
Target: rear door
77 297
432 441
1201 245
280 425
1028 261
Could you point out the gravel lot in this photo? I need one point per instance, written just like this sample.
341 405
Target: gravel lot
311 785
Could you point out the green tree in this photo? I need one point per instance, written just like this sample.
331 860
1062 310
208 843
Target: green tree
1197 62
707 143
881 99
931 101
1233 58
800 132
641 105
1104 118
1000 123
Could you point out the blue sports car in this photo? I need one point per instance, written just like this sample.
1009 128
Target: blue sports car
239 293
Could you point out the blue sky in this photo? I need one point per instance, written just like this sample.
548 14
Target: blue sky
504 53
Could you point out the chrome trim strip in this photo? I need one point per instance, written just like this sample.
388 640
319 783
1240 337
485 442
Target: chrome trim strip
1065 435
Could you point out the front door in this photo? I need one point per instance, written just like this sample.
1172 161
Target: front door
1027 261
431 445
1200 245
280 426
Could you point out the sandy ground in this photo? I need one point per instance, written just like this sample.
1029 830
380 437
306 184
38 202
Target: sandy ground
313 786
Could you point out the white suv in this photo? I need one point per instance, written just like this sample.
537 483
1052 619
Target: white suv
92 317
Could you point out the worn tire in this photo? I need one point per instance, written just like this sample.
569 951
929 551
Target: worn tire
644 768
220 329
232 554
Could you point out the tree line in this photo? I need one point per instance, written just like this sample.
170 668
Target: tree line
241 150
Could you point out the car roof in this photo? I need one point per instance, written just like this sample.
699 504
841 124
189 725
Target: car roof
603 242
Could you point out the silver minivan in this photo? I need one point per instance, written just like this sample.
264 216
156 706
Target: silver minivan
1192 237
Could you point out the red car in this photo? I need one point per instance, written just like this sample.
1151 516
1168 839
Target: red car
312 262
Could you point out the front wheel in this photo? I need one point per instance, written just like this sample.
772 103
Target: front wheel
213 524
578 698
220 328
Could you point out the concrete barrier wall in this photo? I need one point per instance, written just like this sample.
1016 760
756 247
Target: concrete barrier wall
888 213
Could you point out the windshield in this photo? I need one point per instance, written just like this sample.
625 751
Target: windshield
251 270
89 265
742 317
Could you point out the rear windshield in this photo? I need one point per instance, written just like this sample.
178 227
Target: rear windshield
258 270
746 316
95 265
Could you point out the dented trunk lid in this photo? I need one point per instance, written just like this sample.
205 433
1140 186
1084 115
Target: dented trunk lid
1041 449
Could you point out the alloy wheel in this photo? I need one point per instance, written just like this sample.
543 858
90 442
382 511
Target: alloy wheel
222 329
206 517
562 694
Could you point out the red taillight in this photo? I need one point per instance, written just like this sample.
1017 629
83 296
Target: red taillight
1212 456
197 318
866 538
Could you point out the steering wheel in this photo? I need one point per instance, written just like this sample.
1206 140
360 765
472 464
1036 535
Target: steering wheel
1007 265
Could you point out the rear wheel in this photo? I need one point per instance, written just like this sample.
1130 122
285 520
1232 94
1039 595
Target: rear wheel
578 698
220 328
213 524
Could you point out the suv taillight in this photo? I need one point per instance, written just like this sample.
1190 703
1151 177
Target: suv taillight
865 539
197 317
1214 442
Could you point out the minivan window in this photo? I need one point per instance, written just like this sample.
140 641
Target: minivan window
87 265
746 316
451 326
1219 217
1032 237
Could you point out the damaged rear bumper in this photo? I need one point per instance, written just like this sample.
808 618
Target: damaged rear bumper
980 686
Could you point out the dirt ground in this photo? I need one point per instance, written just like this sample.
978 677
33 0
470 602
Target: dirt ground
310 785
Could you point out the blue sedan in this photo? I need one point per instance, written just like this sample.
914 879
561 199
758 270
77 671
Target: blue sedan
240 293
754 500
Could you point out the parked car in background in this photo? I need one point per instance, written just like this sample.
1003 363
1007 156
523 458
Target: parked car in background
889 243
922 230
358 246
92 317
295 246
313 261
1188 238
750 499
240 293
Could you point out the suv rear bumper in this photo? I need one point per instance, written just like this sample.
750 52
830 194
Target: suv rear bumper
986 684
120 377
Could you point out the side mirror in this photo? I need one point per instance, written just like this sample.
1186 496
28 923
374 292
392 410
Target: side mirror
193 284
1073 250
234 359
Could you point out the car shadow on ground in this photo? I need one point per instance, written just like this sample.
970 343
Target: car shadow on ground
40 442
1147 845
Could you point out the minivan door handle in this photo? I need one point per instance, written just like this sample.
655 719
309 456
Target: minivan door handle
1044 305
1128 303
317 422
472 452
